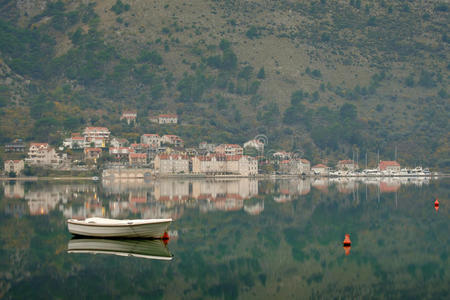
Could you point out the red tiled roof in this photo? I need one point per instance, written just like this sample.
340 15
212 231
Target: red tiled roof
97 128
320 166
305 161
13 161
346 161
139 145
39 144
138 155
151 134
173 156
389 163
86 150
284 161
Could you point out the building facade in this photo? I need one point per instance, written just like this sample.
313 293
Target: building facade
16 146
171 164
298 166
14 166
220 164
129 117
229 149
42 154
152 139
172 140
96 132
320 169
347 165
164 119
137 159
388 165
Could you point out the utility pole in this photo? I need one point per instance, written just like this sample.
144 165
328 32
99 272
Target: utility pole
395 152
357 157
366 159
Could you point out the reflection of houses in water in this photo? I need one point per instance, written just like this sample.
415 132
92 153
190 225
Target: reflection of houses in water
292 187
167 198
345 185
16 208
254 208
320 184
41 202
124 185
225 195
389 186
14 190
172 191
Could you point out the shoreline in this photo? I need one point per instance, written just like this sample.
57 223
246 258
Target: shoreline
201 176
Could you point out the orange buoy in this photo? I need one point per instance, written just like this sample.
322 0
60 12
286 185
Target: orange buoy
165 238
347 249
436 204
347 241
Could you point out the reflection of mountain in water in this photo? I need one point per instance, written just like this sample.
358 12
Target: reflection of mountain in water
291 250
170 197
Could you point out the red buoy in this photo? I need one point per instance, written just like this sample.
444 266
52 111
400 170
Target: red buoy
347 249
347 241
436 204
165 238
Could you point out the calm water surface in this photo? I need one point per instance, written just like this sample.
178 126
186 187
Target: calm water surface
230 239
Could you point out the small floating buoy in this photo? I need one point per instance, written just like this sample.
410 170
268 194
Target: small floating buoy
347 241
436 204
347 244
347 249
165 238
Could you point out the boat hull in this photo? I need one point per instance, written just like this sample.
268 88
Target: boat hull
149 230
144 248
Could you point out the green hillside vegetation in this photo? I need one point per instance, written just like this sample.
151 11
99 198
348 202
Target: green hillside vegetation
322 77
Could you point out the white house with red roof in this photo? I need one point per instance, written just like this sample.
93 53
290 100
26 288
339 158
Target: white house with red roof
172 140
129 117
389 165
14 166
118 142
152 139
137 159
347 165
220 164
164 119
320 169
96 132
255 144
171 164
120 152
76 141
92 153
296 166
42 154
229 149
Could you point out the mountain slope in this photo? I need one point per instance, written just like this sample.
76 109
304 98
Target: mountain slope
320 77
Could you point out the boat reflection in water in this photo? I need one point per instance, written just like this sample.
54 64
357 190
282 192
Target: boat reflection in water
143 248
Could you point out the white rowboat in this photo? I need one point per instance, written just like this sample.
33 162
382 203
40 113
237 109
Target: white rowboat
110 228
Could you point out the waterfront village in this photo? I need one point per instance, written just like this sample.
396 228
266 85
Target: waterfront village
166 155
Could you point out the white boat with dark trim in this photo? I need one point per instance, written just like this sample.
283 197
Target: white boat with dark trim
143 248
111 228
